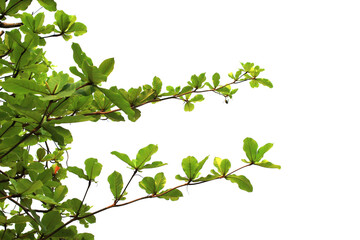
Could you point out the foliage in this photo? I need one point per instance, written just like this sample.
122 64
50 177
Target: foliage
36 101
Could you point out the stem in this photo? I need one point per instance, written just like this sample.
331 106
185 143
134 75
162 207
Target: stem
82 202
123 192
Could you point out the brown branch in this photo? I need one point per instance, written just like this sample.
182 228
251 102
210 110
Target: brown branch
76 218
10 25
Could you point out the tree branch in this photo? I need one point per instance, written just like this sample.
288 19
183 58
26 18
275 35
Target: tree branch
10 25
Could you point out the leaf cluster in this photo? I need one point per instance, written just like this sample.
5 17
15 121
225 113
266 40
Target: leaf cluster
36 103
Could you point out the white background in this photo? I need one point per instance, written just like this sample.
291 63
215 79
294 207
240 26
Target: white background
310 51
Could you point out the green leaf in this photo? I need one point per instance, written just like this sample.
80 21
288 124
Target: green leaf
59 134
148 184
192 167
153 185
116 184
21 86
107 66
241 181
197 98
51 221
93 74
92 168
60 193
223 165
15 5
265 82
77 28
34 186
172 195
63 20
72 119
118 99
160 181
78 171
19 219
157 85
43 198
262 151
40 153
79 56
254 84
267 164
216 79
144 155
154 165
250 148
188 107
125 158
49 5
247 66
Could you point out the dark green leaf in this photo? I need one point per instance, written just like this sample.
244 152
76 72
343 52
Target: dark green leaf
51 221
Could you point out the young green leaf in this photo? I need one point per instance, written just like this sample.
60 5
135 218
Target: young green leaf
250 148
49 5
172 195
216 79
60 193
188 107
160 181
267 164
118 99
92 168
125 158
262 151
157 85
116 184
241 181
107 66
78 171
223 165
191 168
144 155
154 165
148 184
